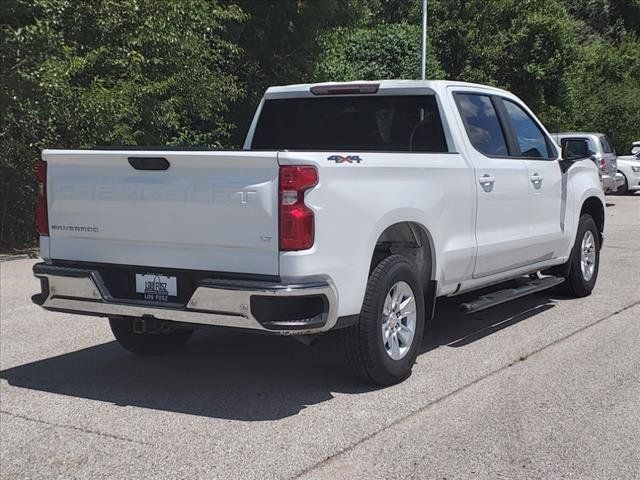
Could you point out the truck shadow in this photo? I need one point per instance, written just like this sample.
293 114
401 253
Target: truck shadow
452 328
239 376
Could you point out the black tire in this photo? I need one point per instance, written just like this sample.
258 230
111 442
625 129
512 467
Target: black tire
624 188
364 348
152 343
575 283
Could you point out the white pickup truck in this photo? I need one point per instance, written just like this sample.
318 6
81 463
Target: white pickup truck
352 206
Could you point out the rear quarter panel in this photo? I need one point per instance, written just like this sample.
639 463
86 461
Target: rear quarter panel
355 202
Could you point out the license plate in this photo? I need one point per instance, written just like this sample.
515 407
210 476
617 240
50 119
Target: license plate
156 287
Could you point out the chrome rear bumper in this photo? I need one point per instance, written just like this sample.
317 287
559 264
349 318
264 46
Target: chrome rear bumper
226 303
608 183
611 183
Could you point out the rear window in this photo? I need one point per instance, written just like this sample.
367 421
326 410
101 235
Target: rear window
606 145
381 123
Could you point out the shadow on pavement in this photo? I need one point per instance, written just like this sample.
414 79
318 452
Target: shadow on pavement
454 329
240 376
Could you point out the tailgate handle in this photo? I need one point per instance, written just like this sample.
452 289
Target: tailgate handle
149 163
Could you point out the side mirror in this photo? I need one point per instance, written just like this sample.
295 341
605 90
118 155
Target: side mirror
574 150
635 150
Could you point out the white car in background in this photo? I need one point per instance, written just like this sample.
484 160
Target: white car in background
629 167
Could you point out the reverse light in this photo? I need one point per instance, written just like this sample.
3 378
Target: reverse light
42 217
297 225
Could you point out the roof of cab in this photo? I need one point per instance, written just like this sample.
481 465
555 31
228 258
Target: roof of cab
435 85
579 134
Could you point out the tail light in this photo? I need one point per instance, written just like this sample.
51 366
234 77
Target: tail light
603 165
42 219
297 226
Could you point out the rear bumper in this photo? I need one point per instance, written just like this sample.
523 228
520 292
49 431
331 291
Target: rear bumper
284 309
609 183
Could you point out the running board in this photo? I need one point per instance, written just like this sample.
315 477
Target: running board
508 294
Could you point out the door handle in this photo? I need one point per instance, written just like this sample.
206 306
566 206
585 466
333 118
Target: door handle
536 178
486 180
149 163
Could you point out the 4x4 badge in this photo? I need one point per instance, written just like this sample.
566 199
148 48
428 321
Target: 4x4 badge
347 159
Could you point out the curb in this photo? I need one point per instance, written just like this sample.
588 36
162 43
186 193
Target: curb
21 256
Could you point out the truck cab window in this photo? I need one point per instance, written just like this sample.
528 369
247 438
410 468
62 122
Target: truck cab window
530 138
482 124
400 123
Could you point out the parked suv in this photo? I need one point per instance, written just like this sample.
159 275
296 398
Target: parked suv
604 156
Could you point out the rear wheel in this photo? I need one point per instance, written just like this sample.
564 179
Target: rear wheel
158 342
585 259
382 347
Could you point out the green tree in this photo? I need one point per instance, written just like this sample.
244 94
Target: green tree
387 51
84 73
279 46
606 18
605 86
524 46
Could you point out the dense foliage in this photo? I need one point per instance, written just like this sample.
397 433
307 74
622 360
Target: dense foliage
83 73
79 73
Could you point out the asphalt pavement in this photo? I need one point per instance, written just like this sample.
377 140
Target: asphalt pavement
542 387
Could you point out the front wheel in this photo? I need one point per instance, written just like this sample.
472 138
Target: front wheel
382 347
158 342
585 259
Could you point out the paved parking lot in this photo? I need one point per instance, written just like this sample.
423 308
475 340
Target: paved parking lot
543 387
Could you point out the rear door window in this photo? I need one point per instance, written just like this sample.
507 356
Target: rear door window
400 123
482 124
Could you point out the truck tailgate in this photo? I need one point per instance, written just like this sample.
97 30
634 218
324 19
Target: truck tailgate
212 211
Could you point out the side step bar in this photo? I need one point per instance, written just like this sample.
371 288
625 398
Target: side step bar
508 294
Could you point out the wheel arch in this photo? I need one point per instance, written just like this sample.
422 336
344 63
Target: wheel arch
594 207
412 240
